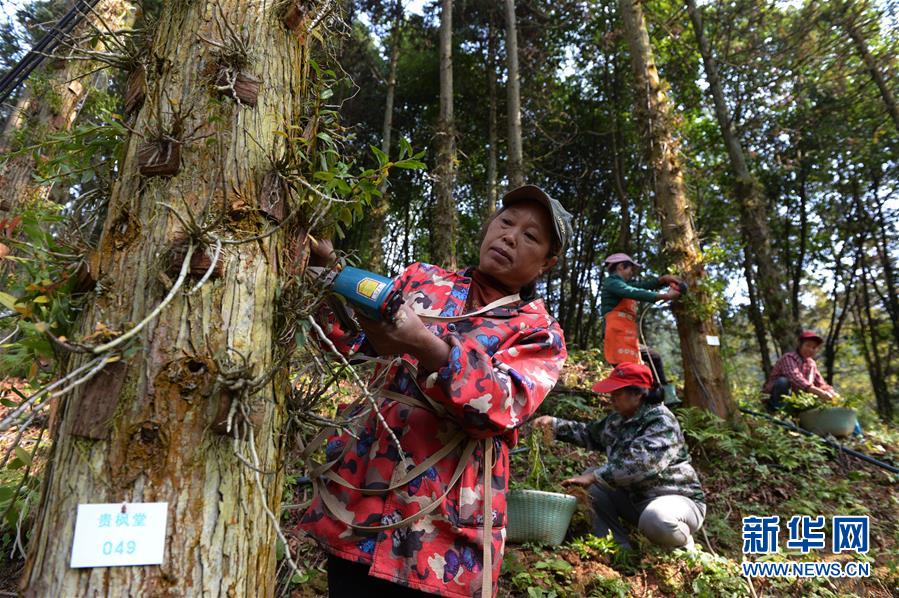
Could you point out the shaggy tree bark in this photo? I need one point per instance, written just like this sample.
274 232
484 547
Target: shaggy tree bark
141 431
704 380
55 109
444 221
751 201
513 95
378 213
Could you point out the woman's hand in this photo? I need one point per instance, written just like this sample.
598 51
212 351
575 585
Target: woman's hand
583 480
544 424
670 295
322 253
670 279
407 334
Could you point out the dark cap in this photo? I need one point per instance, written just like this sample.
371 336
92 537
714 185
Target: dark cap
810 335
625 374
560 216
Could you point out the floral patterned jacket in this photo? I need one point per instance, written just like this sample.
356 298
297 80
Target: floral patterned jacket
502 364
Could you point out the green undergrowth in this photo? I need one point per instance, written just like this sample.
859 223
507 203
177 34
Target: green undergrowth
752 467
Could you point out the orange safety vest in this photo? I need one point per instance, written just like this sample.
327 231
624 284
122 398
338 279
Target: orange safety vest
621 343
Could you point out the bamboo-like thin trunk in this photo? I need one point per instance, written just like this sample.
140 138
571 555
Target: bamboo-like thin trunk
513 102
378 214
492 135
142 431
755 314
705 384
444 237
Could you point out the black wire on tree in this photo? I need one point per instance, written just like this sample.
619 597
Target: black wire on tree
46 45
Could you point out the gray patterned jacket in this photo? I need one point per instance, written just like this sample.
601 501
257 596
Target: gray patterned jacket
646 454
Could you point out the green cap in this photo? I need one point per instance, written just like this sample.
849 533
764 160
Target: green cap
560 216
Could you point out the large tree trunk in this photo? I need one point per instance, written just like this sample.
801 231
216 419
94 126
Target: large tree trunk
378 213
55 110
513 101
492 134
850 26
750 198
444 235
704 379
140 432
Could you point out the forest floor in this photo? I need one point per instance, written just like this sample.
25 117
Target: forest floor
752 468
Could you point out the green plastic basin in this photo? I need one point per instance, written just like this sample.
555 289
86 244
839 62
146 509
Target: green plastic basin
536 516
839 421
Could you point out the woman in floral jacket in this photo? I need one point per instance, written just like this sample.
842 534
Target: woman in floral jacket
454 406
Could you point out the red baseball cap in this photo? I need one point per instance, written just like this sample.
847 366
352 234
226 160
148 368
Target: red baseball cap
810 335
625 374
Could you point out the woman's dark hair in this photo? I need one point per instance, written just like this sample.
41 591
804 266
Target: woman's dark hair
643 392
613 267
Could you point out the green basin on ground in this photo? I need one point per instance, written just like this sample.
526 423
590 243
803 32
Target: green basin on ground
838 421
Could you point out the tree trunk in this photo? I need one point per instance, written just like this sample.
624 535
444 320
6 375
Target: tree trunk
847 22
513 95
704 379
799 263
492 134
141 431
755 314
57 108
749 196
14 122
871 352
837 319
378 213
444 237
891 303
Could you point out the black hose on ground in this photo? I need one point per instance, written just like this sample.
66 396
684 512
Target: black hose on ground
848 451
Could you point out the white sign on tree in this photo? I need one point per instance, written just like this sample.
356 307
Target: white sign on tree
119 534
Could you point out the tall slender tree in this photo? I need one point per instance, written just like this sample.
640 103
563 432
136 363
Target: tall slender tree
378 214
444 220
751 201
704 379
492 135
513 102
848 19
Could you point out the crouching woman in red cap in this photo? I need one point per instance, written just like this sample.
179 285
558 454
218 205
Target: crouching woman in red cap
647 480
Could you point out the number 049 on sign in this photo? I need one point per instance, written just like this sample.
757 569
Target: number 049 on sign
117 535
